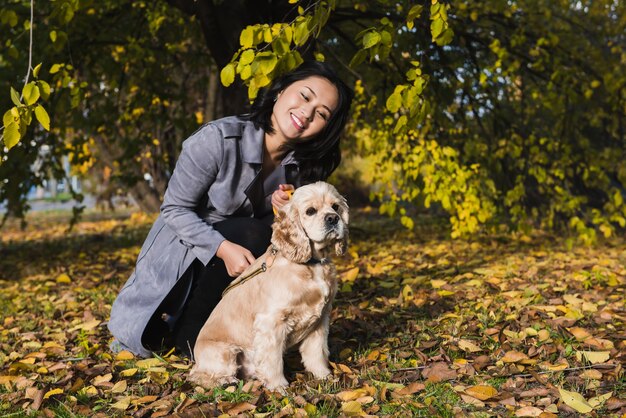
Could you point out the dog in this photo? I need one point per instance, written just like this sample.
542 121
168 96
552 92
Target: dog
284 298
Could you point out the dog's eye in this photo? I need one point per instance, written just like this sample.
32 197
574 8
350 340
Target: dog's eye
335 207
311 211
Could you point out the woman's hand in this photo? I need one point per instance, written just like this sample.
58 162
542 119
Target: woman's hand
236 258
281 196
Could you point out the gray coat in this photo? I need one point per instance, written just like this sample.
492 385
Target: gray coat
217 176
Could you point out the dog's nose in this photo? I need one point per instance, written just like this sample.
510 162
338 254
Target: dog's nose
331 219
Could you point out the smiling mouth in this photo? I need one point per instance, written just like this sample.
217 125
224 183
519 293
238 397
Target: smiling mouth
299 125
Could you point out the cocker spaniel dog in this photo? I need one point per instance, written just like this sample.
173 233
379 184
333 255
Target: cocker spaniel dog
284 298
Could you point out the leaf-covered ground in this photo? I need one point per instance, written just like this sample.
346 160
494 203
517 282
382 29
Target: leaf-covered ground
423 326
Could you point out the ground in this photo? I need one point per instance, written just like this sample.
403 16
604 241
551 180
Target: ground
498 325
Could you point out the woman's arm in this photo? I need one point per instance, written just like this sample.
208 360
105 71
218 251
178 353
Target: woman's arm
196 170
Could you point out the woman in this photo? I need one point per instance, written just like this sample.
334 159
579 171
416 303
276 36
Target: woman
217 209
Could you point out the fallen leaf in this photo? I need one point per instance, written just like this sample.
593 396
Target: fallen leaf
63 278
598 401
119 387
352 408
52 393
412 388
468 346
593 357
350 275
470 400
122 404
438 372
528 411
575 400
482 392
124 355
514 357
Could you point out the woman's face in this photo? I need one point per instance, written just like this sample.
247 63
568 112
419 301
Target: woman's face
304 108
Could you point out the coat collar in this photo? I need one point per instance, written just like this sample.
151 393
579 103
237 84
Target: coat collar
251 141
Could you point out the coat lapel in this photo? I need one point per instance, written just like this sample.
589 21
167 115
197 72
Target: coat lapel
252 156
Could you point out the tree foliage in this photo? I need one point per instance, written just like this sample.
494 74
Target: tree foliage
496 112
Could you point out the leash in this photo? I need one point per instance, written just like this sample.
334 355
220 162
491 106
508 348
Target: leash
264 266
269 261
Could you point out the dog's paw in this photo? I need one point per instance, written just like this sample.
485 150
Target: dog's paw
321 372
209 381
278 385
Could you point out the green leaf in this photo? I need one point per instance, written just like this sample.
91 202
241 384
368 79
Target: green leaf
15 97
55 68
246 39
11 135
227 75
30 93
436 27
247 57
267 63
301 33
42 117
370 39
394 102
11 116
44 89
36 70
358 58
446 37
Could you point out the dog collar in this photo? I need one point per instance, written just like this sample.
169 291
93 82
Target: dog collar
314 261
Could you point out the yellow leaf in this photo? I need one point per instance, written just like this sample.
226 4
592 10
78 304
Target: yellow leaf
124 355
544 335
350 395
227 75
482 392
591 374
575 400
53 392
63 278
43 117
598 401
119 387
352 408
468 346
122 404
98 380
87 326
149 362
436 283
128 372
159 377
350 275
7 379
593 357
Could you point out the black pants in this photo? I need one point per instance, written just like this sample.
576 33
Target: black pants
207 284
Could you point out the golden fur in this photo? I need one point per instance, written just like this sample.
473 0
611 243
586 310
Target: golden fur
252 326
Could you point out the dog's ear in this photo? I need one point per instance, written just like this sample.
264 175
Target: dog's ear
289 236
342 244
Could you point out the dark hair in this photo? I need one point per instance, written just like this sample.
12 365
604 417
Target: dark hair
317 158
